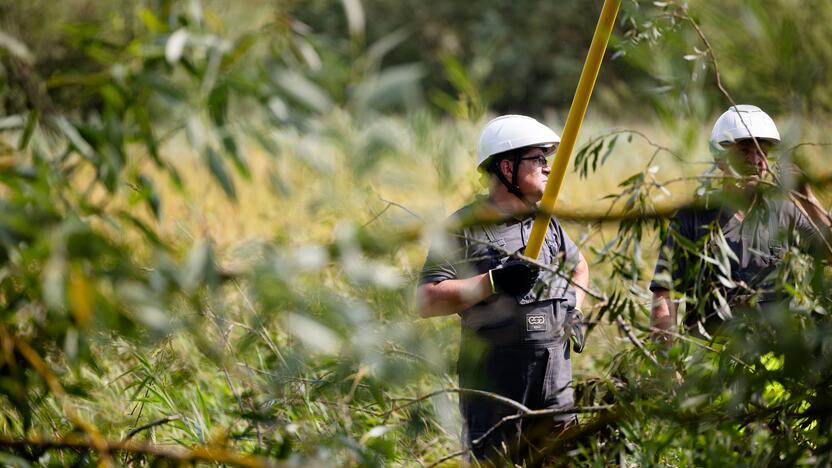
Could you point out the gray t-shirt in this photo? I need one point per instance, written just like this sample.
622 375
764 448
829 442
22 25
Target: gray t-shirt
707 247
465 254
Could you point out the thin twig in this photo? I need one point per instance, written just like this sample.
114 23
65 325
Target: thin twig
656 146
450 456
158 422
398 205
462 391
604 409
625 327
39 365
661 331
594 294
378 215
204 453
538 413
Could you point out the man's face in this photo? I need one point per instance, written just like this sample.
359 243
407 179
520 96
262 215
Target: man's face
532 173
747 159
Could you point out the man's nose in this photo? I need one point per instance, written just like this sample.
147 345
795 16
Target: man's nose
757 160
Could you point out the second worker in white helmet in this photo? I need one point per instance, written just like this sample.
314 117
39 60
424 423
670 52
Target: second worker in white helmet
755 220
514 318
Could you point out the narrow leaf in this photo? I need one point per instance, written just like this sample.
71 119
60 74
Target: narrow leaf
217 167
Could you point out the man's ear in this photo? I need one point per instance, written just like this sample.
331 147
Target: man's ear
722 165
505 166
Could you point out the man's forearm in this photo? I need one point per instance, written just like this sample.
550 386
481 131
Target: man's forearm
810 204
452 296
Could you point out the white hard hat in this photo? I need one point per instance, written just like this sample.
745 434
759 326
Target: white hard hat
743 122
510 132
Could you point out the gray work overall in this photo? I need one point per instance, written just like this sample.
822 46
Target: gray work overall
515 346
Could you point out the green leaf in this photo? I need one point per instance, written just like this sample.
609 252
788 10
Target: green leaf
241 47
146 133
146 230
355 17
150 195
151 21
230 146
721 306
29 129
199 266
304 92
394 86
10 460
175 45
218 104
75 138
380 48
16 48
217 167
610 147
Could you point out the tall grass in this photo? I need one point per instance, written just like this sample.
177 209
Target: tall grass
243 385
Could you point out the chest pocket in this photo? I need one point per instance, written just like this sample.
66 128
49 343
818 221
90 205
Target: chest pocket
492 241
766 248
776 246
484 248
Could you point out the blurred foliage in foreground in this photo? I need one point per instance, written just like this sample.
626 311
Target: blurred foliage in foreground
526 55
125 341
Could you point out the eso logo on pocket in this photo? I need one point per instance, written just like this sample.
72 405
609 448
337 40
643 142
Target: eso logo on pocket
536 322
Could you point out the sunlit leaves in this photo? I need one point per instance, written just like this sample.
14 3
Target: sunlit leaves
175 46
303 91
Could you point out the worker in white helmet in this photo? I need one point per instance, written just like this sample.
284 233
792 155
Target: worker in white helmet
517 322
758 227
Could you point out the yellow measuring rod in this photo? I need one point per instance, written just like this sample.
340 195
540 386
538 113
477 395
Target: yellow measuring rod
574 119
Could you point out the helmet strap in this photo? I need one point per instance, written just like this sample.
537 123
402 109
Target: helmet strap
512 186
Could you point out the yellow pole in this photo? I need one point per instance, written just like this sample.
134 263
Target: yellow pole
574 119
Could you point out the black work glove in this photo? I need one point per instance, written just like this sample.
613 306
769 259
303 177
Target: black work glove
515 277
574 328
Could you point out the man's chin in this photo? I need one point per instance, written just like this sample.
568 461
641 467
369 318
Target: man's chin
750 184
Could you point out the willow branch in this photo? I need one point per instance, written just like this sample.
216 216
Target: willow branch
158 422
462 391
625 327
698 343
447 457
556 271
538 413
42 369
608 414
198 454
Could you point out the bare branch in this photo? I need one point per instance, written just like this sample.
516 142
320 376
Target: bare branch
643 136
625 327
39 365
447 457
544 412
158 422
698 343
378 215
197 454
594 294
462 391
608 415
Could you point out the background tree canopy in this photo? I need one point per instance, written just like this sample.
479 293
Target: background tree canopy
212 216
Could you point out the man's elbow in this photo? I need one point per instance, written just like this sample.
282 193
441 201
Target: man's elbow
583 266
424 300
580 273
